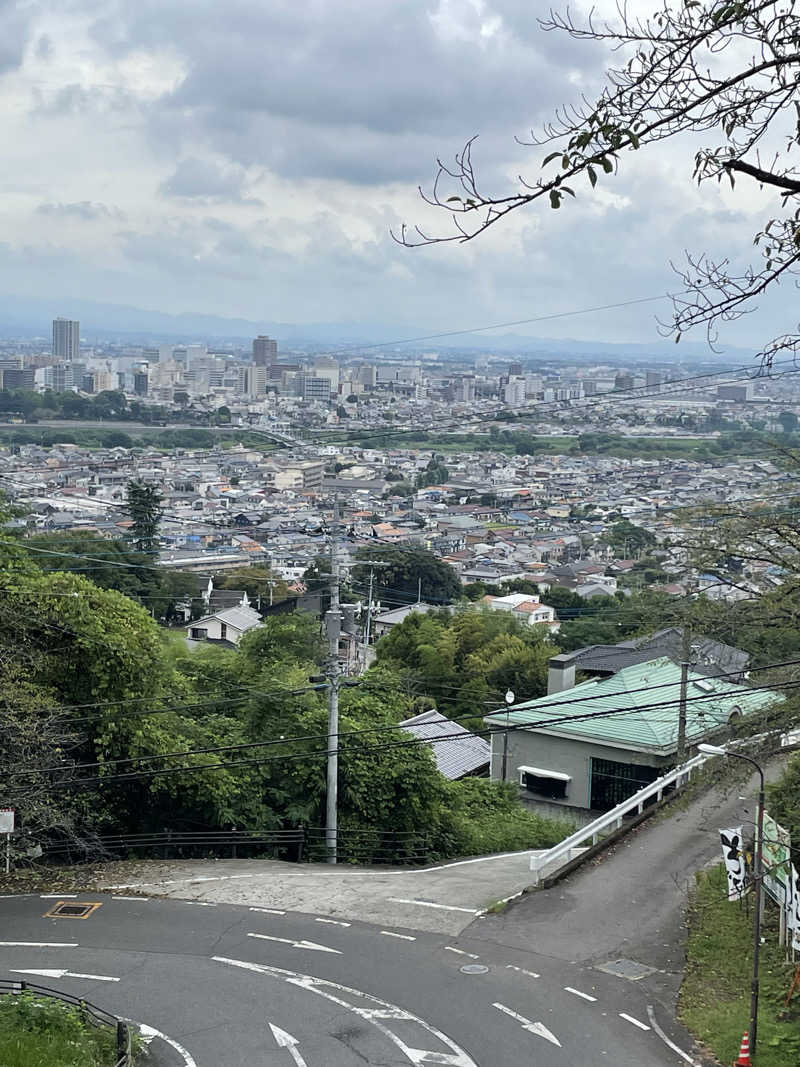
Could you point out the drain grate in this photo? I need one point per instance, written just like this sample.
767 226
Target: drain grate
65 909
629 969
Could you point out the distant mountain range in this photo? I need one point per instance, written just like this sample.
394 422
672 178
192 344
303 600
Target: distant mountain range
32 317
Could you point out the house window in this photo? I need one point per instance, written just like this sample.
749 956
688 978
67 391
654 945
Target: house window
223 631
614 782
197 633
544 783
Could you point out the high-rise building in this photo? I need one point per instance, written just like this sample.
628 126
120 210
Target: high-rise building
265 351
66 339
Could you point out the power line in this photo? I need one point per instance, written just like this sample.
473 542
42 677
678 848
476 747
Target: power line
740 691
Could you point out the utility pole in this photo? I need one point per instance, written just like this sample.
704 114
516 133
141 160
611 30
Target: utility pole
333 626
373 563
686 652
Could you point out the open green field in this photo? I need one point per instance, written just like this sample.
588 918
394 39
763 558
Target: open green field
715 997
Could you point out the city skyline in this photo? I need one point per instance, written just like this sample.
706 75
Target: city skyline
207 182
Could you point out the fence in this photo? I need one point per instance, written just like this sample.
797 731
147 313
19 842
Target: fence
572 846
90 1012
366 846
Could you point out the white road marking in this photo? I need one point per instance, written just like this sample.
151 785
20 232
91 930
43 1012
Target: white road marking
199 903
670 1044
39 944
377 1016
431 904
539 1029
269 911
464 863
332 922
149 1032
312 946
57 896
577 992
65 974
461 952
630 1019
139 900
194 878
521 970
402 937
285 1040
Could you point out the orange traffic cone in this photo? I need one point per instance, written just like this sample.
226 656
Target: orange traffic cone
744 1052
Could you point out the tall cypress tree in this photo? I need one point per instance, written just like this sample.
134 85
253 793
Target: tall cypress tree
143 504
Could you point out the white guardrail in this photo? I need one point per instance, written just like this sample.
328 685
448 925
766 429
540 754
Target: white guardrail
573 845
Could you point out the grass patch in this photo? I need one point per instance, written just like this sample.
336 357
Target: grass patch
485 817
715 997
39 1032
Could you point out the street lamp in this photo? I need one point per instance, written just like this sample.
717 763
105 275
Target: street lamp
716 750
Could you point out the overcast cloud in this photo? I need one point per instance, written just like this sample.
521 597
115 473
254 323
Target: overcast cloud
248 159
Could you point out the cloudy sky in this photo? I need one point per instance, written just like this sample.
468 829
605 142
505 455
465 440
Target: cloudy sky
249 157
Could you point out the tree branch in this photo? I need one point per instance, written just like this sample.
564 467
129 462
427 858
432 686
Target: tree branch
764 176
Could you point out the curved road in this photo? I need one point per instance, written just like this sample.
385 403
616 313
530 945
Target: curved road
237 986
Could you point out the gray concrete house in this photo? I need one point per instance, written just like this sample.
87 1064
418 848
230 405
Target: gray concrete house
587 748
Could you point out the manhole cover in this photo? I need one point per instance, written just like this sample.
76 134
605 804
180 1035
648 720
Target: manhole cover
65 910
474 968
629 969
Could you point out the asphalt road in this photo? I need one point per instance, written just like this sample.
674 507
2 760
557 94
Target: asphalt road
235 986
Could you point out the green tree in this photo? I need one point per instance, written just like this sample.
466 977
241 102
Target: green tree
143 505
406 572
788 421
725 73
627 538
434 474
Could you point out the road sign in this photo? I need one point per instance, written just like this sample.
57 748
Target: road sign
776 860
6 820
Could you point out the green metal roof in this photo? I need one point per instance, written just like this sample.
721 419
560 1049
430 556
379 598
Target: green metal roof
645 698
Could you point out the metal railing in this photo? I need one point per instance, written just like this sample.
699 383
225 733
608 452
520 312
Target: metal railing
177 844
302 843
98 1017
571 846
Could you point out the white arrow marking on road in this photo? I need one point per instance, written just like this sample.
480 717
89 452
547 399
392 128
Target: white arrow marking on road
312 946
534 1028
65 974
285 1040
377 1016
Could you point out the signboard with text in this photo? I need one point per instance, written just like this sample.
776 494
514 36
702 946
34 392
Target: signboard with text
776 860
6 820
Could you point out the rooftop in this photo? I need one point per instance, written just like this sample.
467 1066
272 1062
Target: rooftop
638 707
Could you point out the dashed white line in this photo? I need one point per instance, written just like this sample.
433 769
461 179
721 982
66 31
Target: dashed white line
630 1019
269 911
200 903
670 1044
332 922
402 937
461 952
521 970
431 904
139 900
578 993
57 896
39 944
